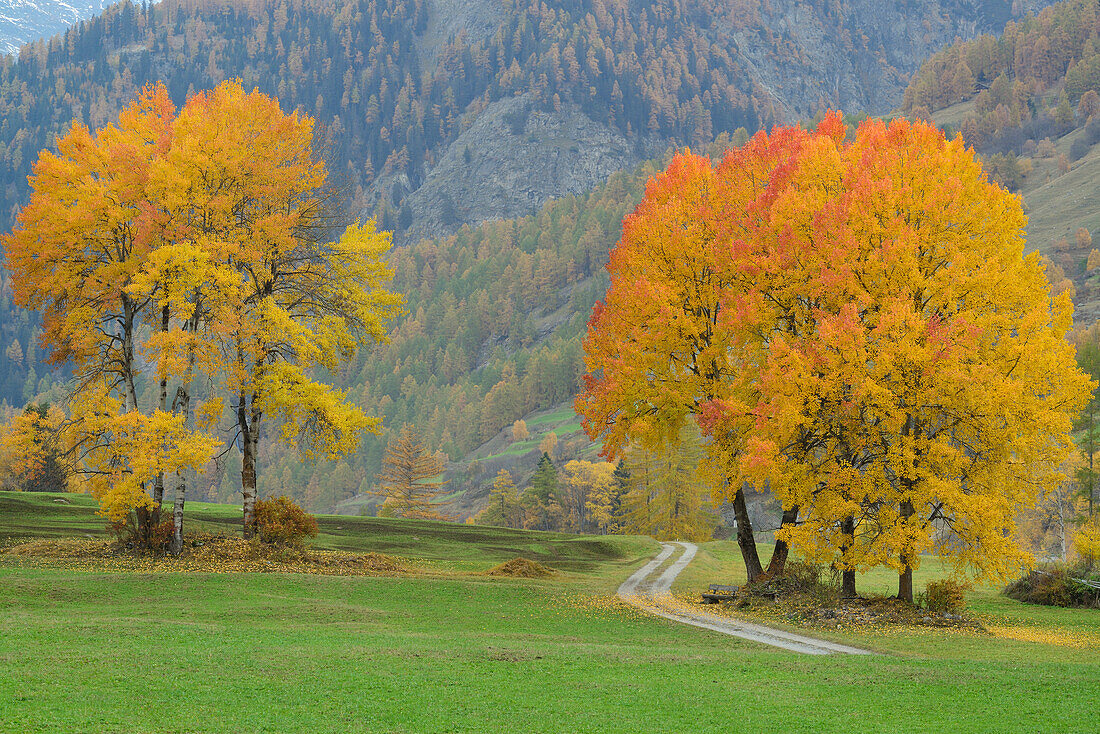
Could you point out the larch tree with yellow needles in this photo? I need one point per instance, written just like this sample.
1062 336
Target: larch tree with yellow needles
410 479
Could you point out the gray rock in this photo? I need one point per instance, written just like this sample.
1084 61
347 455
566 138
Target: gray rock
512 160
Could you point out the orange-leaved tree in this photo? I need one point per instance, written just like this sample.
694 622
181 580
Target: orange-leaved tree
670 339
79 246
894 367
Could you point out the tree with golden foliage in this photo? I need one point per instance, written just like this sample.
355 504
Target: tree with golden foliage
667 494
851 320
169 247
248 183
504 508
582 482
410 478
519 431
30 451
77 253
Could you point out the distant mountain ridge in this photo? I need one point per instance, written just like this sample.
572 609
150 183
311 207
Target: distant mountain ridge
23 21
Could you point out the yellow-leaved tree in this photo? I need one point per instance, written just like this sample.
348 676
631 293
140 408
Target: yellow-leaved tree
852 321
76 253
290 299
199 253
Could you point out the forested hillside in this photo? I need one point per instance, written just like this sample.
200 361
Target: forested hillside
440 117
496 314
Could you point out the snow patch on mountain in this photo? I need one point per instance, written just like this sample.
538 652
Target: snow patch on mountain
23 21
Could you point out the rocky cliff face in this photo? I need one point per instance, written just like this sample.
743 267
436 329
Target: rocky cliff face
512 159
857 55
803 57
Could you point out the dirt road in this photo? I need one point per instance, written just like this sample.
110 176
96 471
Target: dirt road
653 596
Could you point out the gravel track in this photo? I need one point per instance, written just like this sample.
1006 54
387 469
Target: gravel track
653 596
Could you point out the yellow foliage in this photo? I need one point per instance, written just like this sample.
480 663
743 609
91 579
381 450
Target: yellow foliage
852 321
1086 540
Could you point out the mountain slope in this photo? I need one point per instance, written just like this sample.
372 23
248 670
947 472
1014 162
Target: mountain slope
444 117
23 21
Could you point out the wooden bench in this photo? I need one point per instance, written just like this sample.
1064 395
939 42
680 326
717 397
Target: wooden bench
719 592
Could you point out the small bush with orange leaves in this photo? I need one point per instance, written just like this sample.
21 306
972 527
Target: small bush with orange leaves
281 522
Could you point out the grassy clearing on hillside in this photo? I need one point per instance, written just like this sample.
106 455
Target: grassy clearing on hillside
28 515
153 652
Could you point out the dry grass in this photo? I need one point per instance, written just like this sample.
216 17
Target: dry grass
522 568
205 553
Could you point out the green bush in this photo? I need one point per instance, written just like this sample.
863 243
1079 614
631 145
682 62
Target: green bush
281 522
1053 584
947 596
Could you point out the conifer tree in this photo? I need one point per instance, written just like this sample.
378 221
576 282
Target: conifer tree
504 506
409 479
542 495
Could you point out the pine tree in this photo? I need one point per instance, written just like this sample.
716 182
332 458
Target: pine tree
542 497
409 478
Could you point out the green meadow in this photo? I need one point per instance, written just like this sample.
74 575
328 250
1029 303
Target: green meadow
450 649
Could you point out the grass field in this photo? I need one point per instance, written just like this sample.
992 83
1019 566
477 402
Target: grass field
454 650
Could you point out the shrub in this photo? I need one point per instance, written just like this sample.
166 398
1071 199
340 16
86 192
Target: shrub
947 595
1053 585
281 522
142 537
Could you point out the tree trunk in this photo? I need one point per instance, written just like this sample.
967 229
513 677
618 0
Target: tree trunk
248 486
778 562
848 574
162 404
175 546
905 585
745 538
905 578
248 418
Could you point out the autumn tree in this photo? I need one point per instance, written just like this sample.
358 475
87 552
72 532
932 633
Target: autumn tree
605 501
935 383
658 350
504 506
250 192
410 478
77 252
667 495
584 485
519 431
169 248
31 447
854 323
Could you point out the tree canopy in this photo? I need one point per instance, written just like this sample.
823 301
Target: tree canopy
850 319
194 252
